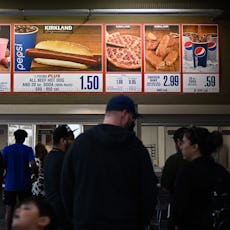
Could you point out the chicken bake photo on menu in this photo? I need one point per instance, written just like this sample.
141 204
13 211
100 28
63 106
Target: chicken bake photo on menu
162 48
57 47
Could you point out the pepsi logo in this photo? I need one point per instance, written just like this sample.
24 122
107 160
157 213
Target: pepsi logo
211 46
188 45
200 51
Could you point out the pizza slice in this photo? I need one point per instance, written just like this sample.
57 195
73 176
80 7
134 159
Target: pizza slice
125 40
115 39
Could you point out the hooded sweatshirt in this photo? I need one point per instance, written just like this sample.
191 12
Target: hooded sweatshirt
108 181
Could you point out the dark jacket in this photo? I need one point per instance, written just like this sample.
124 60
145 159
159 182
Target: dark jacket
52 173
194 185
108 181
171 167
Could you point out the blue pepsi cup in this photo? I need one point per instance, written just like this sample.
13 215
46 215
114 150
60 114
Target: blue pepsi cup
24 38
199 53
212 48
187 43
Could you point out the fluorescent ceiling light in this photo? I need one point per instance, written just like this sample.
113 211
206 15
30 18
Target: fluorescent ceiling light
104 12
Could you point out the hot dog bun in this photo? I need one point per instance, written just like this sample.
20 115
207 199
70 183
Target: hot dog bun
64 47
54 62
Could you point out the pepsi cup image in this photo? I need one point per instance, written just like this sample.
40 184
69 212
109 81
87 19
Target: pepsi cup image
199 52
187 46
212 48
25 37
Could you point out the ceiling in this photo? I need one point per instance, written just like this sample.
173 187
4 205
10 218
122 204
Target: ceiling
105 4
115 4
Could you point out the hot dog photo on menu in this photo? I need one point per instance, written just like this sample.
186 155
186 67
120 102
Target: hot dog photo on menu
57 47
162 48
123 48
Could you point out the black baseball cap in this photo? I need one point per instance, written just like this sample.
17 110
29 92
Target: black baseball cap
62 131
122 102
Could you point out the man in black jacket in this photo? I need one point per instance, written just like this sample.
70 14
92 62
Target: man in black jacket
170 170
62 138
108 180
173 163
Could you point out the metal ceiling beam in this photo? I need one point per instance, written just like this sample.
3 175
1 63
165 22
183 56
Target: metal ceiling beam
108 12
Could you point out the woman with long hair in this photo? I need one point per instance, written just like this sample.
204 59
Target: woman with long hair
197 180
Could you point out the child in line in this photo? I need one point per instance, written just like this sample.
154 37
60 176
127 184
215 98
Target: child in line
34 213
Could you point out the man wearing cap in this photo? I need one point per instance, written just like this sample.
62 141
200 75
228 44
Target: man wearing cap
108 180
18 160
62 138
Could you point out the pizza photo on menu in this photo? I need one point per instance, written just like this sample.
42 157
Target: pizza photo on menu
162 48
123 48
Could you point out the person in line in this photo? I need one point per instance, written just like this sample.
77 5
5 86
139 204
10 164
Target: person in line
196 181
34 213
1 174
62 138
108 180
1 180
170 169
38 180
18 160
173 163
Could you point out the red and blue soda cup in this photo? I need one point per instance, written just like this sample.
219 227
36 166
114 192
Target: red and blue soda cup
212 48
199 53
24 38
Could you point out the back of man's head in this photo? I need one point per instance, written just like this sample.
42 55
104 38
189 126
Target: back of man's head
62 131
178 134
20 135
122 102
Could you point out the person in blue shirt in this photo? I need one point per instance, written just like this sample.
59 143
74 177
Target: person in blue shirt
18 163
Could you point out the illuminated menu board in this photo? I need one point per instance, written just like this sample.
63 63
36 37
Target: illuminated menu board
108 58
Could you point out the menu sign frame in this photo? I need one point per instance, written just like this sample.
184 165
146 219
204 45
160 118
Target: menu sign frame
146 58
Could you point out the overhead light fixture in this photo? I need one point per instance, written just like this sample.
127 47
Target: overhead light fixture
204 12
108 12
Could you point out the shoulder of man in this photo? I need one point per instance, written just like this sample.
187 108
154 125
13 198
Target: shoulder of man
171 158
90 133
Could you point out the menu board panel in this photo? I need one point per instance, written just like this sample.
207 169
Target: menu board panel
200 58
109 58
5 77
58 58
162 62
123 51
